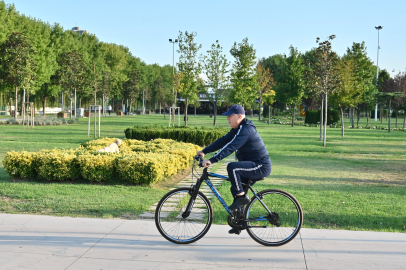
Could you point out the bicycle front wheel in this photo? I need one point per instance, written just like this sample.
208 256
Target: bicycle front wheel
279 227
175 228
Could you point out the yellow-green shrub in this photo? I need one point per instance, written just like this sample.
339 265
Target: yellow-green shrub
138 161
141 168
20 164
97 168
57 165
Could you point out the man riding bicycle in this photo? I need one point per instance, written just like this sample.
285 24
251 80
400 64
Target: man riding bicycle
253 158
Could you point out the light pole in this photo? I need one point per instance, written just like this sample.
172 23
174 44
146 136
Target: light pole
377 71
173 72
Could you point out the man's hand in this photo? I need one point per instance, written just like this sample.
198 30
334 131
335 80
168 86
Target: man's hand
200 153
206 163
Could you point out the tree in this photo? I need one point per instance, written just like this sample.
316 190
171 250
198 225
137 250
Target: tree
244 86
72 74
106 87
291 84
161 92
215 68
383 76
132 87
391 90
17 64
324 77
265 82
269 99
363 75
346 94
178 86
190 67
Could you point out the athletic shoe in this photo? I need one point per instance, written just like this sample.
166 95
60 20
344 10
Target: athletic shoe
239 202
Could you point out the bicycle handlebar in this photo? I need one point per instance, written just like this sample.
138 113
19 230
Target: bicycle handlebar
199 159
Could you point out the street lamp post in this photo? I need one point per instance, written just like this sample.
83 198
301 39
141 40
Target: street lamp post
173 72
377 71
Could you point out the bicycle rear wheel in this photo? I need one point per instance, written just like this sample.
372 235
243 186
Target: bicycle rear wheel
175 228
282 225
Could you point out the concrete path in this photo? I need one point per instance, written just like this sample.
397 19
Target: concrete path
46 242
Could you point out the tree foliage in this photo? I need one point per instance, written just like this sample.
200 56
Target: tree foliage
244 86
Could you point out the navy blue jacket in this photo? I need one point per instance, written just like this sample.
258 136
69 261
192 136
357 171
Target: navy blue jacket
245 140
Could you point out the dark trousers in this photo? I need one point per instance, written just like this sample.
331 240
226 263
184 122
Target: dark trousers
109 112
242 171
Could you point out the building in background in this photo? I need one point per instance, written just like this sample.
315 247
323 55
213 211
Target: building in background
77 30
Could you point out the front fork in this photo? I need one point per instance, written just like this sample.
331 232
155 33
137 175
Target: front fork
193 194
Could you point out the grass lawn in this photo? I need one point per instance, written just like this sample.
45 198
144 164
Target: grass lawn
357 182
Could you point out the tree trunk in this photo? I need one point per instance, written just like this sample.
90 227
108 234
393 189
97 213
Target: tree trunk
80 104
367 118
293 115
215 113
159 107
195 110
396 118
325 122
380 113
352 117
186 106
22 104
321 119
129 112
342 121
70 106
259 108
269 115
44 102
358 116
388 113
16 103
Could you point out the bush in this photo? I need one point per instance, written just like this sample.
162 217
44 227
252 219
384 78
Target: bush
20 164
200 136
57 165
313 116
97 167
138 162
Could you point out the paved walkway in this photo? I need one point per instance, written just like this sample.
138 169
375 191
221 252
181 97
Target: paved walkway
46 242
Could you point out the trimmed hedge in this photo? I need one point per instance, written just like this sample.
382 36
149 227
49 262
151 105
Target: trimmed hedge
138 162
313 116
201 136
20 164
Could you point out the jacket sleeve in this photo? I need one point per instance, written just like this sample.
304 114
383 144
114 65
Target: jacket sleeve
239 139
219 143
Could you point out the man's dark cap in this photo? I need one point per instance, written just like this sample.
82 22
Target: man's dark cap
235 109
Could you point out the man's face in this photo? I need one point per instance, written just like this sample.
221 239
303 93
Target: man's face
234 120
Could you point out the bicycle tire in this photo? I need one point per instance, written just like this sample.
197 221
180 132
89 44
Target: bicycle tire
173 226
280 228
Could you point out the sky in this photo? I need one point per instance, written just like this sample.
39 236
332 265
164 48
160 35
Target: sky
271 26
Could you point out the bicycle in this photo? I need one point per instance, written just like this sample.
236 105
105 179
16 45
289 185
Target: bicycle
184 215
